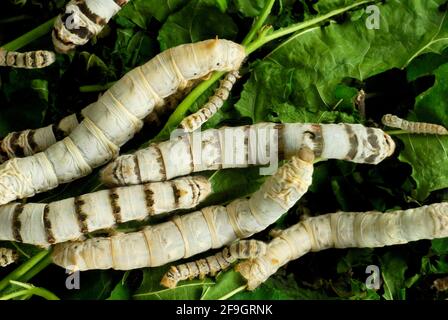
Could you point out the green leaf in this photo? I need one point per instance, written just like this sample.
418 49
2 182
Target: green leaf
197 21
121 291
432 105
305 70
150 288
250 8
95 285
393 268
161 9
227 283
280 288
425 65
429 160
41 87
440 246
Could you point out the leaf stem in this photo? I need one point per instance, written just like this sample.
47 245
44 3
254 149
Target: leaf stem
234 292
23 269
30 36
397 132
177 116
299 26
96 87
258 23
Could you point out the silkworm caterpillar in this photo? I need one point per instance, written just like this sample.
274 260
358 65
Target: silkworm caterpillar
347 230
115 117
441 284
29 142
7 256
27 60
248 145
190 234
393 121
69 219
197 119
243 249
82 20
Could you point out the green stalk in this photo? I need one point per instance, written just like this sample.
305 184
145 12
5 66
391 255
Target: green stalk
23 269
258 23
299 26
96 87
30 36
397 132
180 112
36 269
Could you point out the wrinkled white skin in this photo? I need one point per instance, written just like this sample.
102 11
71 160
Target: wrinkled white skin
346 230
7 256
196 232
101 11
393 121
115 117
69 219
230 147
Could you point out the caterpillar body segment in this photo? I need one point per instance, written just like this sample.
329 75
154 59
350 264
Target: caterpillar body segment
190 234
7 256
197 119
28 142
393 121
82 20
441 284
245 146
28 60
115 117
347 230
243 249
69 219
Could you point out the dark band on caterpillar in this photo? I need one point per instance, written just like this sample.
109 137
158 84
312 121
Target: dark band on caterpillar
114 199
47 224
160 160
353 142
176 194
373 140
281 139
80 214
89 14
16 223
149 198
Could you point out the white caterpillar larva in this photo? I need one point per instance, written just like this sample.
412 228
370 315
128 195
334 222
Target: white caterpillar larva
248 145
347 230
115 117
242 249
45 224
190 234
82 20
393 121
27 60
29 142
197 119
7 256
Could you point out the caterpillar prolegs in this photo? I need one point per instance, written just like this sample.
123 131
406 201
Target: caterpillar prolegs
346 230
243 249
27 60
7 256
190 234
393 121
115 117
82 20
69 219
197 119
257 144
